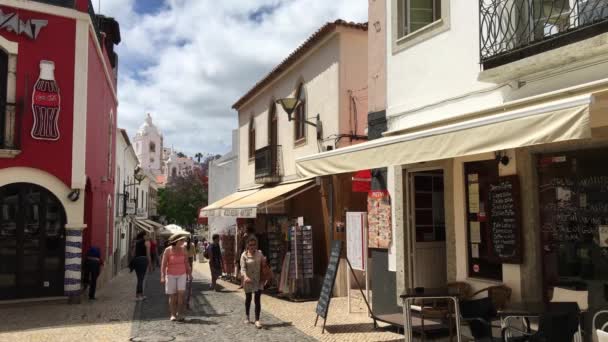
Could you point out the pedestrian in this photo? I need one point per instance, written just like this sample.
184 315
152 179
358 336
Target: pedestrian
251 269
192 250
175 272
92 268
142 261
215 260
154 254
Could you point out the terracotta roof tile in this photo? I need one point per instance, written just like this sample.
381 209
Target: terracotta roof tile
296 54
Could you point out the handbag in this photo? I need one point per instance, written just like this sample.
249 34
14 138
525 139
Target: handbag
266 272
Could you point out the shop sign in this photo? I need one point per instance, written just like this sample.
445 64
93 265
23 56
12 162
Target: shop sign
130 207
30 27
142 213
240 213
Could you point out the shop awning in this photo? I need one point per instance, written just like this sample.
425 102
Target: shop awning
258 202
214 209
556 121
143 225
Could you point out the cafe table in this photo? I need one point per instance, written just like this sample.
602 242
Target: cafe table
411 295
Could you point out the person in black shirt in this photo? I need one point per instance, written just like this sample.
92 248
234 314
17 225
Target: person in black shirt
142 261
215 260
92 268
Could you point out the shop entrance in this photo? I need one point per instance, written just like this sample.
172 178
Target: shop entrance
32 242
427 228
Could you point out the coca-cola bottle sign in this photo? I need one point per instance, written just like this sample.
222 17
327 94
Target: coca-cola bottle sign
46 104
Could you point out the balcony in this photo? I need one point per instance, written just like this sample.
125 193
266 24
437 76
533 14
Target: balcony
10 131
268 165
511 30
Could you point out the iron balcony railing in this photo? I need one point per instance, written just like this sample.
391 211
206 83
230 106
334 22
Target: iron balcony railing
514 29
268 164
10 127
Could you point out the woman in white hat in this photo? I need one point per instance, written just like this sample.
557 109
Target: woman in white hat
174 272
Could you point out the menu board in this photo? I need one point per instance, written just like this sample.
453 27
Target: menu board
379 219
355 239
330 279
505 220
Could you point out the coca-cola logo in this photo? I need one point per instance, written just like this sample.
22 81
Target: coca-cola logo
30 27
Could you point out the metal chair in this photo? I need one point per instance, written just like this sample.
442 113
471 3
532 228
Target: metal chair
561 295
558 325
478 314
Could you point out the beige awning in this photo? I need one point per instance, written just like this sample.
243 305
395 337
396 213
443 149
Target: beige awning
214 209
562 120
141 224
258 202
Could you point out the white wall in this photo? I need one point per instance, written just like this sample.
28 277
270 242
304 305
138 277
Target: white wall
438 78
223 181
126 162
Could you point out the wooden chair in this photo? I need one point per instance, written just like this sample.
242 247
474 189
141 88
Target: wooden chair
499 294
443 310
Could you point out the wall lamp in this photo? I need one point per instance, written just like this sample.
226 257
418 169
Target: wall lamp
74 195
290 104
502 157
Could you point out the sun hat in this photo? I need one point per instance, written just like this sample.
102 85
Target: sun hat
178 236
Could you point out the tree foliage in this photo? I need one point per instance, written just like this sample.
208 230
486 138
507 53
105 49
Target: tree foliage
181 199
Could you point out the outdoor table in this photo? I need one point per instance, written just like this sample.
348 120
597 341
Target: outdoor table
410 295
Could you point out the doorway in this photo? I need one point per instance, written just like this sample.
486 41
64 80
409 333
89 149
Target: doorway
32 242
427 228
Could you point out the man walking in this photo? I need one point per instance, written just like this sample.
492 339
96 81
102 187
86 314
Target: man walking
215 260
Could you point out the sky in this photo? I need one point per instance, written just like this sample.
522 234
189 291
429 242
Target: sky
187 61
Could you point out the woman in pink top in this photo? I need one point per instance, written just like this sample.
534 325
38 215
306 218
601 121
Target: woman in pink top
174 272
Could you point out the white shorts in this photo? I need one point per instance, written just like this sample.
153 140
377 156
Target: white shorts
175 283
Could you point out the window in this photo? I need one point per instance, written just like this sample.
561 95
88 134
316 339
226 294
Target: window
478 177
118 195
174 172
252 138
151 160
272 125
300 115
416 14
110 143
415 21
152 147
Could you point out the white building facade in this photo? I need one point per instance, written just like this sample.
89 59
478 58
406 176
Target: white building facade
223 181
149 146
481 95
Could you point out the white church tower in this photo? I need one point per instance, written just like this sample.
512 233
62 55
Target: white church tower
149 147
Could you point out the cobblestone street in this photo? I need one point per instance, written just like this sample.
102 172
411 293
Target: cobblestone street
115 316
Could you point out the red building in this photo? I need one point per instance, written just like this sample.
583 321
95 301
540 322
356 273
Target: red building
57 141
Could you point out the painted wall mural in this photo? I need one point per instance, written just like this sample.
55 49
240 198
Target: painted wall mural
46 104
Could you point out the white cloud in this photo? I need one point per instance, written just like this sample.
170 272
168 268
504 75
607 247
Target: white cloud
190 60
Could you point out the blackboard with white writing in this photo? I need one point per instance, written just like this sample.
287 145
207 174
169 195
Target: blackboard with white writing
330 279
505 220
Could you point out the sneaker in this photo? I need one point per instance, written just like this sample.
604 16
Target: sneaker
172 319
258 325
247 321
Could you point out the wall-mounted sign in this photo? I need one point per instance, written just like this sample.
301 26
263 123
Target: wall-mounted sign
46 104
379 219
131 208
30 27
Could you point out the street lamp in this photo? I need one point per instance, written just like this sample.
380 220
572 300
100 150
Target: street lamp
290 104
139 176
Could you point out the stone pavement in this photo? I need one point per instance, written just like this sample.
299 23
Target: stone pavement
216 316
115 316
109 318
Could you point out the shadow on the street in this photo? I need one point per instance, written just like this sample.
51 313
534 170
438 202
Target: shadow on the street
198 321
277 325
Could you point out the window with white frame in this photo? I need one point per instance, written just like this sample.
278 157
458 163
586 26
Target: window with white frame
417 14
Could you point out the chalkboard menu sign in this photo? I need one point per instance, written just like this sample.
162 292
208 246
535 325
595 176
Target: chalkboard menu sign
505 220
330 279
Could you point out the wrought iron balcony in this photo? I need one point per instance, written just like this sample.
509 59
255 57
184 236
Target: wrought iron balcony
268 165
10 127
514 29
